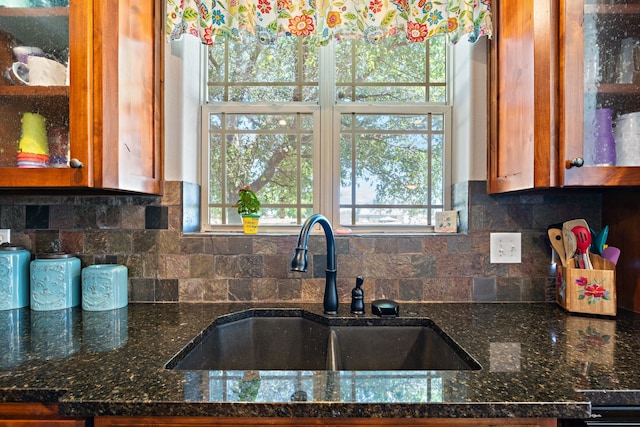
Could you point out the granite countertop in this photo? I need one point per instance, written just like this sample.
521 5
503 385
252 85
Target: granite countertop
537 361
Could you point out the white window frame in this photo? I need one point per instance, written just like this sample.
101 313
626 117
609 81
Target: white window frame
327 121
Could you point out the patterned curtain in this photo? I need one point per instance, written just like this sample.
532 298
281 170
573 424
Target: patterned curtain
323 20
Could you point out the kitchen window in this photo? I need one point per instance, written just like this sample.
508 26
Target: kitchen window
356 131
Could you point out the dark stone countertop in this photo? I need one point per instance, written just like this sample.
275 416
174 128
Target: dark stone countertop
537 361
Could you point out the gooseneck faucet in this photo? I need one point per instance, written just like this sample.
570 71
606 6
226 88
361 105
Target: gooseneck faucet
300 259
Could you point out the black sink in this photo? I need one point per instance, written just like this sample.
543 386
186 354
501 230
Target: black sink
300 340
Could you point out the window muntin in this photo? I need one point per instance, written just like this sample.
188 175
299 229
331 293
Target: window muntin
302 110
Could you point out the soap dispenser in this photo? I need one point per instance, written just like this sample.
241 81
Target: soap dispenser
357 297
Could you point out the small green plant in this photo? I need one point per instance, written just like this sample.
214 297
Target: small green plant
248 202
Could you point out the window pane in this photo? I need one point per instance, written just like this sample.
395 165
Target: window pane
394 70
438 94
437 164
391 169
249 71
437 60
272 153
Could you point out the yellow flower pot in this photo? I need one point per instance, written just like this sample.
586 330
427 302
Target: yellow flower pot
250 223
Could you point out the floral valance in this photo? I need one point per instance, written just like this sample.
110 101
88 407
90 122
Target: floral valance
324 20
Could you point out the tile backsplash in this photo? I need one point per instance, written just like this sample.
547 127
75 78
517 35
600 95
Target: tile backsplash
145 233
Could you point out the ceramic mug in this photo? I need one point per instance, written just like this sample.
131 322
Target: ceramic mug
18 74
46 72
22 53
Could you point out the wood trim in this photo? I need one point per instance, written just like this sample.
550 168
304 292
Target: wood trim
35 415
105 93
81 91
492 109
572 86
306 422
159 17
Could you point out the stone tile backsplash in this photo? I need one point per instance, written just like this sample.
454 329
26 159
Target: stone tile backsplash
145 234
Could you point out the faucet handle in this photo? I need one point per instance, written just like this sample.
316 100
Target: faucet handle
357 297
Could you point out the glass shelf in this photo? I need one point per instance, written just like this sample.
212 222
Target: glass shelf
45 27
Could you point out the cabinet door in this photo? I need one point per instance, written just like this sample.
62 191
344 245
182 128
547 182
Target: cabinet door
127 95
45 88
523 96
601 88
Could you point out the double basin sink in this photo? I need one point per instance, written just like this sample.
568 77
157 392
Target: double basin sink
277 339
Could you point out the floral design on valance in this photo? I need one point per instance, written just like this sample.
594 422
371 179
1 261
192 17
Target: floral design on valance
323 20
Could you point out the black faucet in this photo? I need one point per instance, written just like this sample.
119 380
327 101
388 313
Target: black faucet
299 261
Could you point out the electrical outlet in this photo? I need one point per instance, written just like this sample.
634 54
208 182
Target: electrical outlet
506 248
5 235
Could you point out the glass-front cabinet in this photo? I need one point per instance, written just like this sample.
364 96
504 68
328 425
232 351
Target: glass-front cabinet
564 94
605 34
74 76
44 93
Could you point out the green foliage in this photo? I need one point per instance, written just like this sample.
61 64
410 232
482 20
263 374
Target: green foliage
248 202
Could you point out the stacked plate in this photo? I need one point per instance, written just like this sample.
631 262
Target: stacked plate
627 135
32 160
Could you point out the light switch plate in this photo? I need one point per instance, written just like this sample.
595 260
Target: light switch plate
506 248
5 235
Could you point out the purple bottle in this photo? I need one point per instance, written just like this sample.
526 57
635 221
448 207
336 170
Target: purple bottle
604 150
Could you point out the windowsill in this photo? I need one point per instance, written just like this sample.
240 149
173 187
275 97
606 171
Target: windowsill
289 234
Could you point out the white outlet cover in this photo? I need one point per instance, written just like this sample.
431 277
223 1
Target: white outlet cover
506 248
5 235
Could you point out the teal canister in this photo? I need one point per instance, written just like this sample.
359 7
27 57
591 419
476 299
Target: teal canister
55 281
14 276
104 287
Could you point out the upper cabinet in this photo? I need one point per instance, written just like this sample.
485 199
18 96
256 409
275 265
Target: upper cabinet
80 94
565 94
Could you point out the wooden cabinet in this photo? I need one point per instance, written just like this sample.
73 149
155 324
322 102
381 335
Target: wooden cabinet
554 64
35 415
304 422
620 211
110 107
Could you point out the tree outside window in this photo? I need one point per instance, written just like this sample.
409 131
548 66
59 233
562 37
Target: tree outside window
356 131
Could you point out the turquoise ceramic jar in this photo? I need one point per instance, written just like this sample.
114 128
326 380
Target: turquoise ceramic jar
104 287
14 276
55 282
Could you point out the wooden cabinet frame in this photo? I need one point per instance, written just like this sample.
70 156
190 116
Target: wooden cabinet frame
537 92
114 98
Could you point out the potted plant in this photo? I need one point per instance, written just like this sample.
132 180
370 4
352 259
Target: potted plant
248 206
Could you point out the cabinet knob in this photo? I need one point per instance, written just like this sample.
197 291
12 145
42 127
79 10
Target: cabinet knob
75 163
577 162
